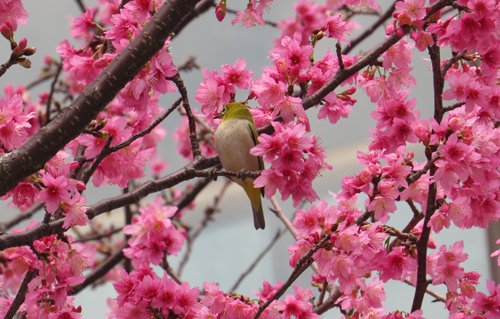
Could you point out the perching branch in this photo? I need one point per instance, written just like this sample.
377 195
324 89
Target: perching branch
192 170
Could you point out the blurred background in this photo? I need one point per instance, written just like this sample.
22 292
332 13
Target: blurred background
230 244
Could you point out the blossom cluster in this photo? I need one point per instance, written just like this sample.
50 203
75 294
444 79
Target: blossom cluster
17 122
57 263
142 294
136 106
12 13
296 159
153 235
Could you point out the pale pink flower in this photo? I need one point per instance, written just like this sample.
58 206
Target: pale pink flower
251 16
75 214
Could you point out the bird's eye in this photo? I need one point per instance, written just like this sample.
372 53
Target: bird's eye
224 110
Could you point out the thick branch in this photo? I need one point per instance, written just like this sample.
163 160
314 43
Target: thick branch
31 156
190 171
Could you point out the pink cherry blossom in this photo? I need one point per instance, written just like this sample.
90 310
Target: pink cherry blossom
337 28
12 11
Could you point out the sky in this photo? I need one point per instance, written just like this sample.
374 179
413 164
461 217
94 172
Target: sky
230 243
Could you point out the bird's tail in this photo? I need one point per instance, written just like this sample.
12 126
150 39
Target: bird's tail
255 199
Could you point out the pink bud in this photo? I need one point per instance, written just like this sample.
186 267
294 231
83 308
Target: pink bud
220 10
47 59
349 91
19 49
399 32
389 29
7 30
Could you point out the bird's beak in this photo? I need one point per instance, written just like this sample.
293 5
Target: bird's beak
218 116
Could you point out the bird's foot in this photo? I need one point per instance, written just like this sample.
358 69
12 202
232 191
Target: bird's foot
242 173
213 174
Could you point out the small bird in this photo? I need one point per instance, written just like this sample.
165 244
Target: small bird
234 138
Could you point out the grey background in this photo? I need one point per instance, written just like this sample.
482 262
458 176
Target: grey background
230 243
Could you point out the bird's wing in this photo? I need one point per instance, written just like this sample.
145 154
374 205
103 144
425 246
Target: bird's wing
255 135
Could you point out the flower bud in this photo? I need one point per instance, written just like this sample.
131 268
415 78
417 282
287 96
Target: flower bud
19 48
220 10
25 63
7 30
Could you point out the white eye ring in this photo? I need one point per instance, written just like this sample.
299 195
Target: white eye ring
224 110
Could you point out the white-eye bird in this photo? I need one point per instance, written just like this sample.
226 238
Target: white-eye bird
234 138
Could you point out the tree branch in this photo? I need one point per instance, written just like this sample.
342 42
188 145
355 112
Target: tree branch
192 170
301 266
380 21
257 260
32 155
21 294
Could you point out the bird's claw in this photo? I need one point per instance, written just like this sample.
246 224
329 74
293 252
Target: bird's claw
242 174
213 174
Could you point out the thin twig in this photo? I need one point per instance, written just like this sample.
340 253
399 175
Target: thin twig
107 149
209 211
107 234
168 269
191 194
448 64
301 266
51 92
281 216
423 241
195 146
19 218
40 80
81 5
380 21
452 107
437 297
339 55
128 221
21 294
329 303
252 266
87 174
147 130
